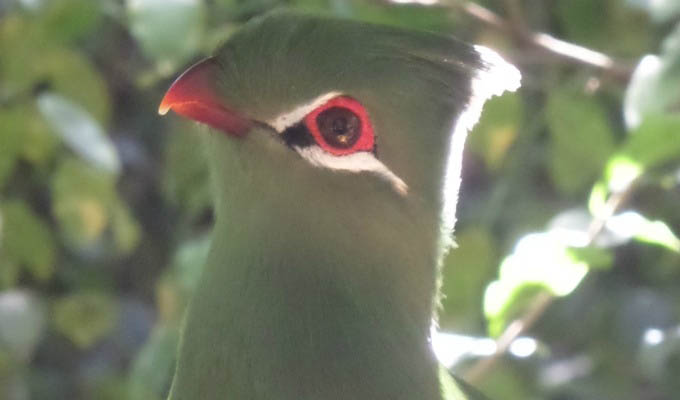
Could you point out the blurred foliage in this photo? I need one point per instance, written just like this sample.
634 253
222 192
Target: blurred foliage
570 193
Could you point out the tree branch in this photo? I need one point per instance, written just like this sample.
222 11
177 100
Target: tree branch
546 44
539 304
543 42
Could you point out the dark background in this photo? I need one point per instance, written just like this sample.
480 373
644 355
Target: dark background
567 222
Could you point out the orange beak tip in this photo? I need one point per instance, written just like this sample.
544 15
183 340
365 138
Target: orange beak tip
163 109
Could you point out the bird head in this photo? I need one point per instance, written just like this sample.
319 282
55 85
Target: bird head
356 110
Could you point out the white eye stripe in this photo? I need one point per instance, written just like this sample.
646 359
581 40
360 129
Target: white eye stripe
292 117
357 162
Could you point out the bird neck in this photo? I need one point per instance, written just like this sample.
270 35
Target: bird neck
300 301
293 314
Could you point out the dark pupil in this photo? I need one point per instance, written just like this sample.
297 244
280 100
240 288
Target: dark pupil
339 126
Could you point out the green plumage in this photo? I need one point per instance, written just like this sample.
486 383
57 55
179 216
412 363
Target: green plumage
321 284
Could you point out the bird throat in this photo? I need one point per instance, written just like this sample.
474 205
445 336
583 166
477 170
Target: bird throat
301 299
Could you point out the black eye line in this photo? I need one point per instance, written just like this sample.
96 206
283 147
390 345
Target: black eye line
298 136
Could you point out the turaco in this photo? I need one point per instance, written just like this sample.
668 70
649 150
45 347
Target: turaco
335 149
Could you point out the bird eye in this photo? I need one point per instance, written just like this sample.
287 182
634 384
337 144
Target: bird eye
341 126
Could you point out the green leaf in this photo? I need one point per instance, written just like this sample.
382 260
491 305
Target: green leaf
68 20
24 137
633 225
595 257
39 144
80 204
621 172
540 261
497 129
582 22
9 271
504 301
88 208
126 230
169 31
30 57
85 318
26 240
10 143
80 131
23 318
581 140
543 258
654 143
581 19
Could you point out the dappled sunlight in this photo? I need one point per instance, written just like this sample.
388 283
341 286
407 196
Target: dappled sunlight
452 349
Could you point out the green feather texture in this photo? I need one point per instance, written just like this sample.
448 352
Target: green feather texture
322 284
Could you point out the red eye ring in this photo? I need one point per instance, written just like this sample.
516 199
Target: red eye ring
360 136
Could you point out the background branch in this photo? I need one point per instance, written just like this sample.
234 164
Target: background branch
548 45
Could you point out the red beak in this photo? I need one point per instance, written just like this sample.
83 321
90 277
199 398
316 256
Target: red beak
194 95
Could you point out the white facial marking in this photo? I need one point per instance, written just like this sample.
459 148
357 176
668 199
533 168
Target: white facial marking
498 77
361 161
356 162
290 118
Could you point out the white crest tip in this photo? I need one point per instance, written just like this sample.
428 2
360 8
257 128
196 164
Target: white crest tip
500 75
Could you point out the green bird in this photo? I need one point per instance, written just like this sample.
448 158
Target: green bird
335 149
